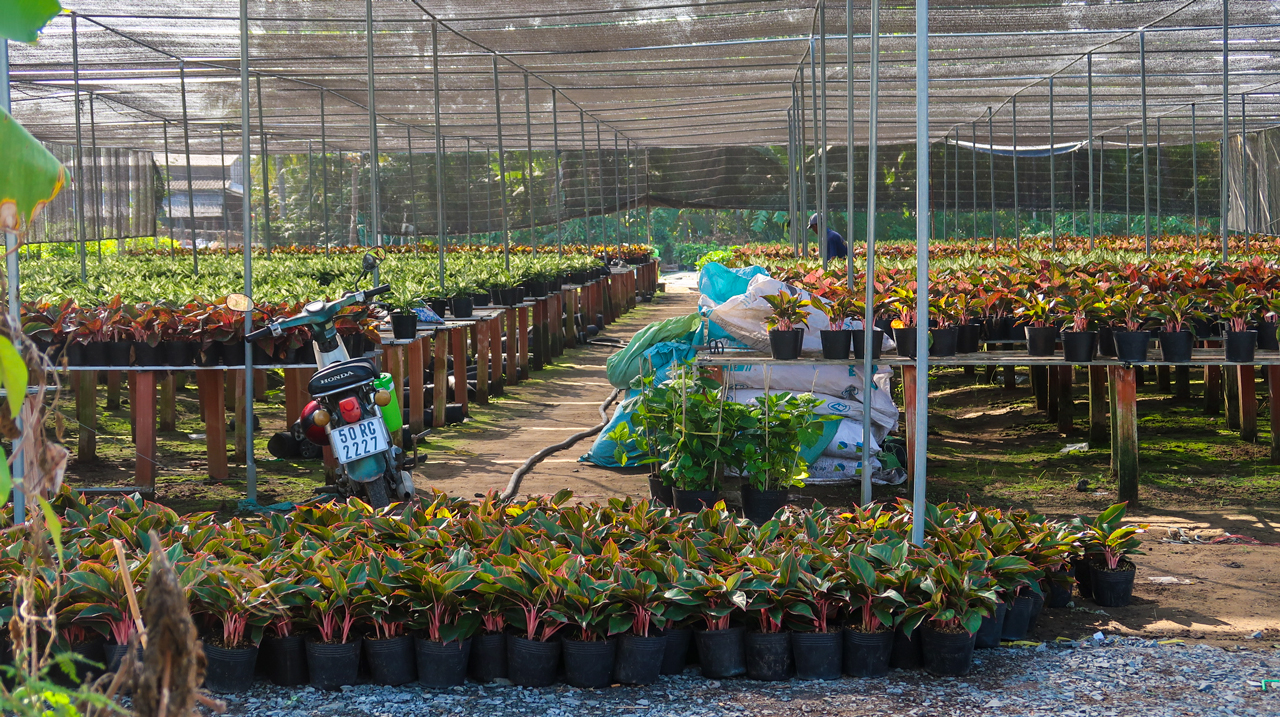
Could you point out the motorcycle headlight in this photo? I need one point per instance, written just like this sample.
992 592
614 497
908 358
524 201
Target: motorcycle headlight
382 397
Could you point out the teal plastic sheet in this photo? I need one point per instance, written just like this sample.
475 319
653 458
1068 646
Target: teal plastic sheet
718 283
625 365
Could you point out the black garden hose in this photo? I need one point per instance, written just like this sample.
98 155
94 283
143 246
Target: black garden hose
513 486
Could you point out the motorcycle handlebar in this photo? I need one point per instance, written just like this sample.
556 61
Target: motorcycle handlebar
345 301
377 290
259 334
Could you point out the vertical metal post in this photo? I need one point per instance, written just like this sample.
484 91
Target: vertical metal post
921 429
1195 175
555 185
617 197
502 168
822 88
222 169
802 148
77 186
467 168
97 176
375 205
1053 175
1017 229
1146 174
868 326
413 185
973 183
442 226
991 176
266 179
956 184
168 184
945 179
1102 175
848 159
1128 160
1244 171
586 194
793 223
250 468
818 189
324 177
528 176
311 199
1159 193
11 271
186 147
1225 200
1092 234
604 228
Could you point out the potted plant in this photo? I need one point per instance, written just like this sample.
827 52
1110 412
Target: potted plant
821 591
785 324
488 660
784 425
1237 304
716 597
404 322
237 599
1267 336
1110 543
944 310
904 326
594 616
386 603
772 594
439 591
1131 306
282 648
460 303
1035 308
334 655
1176 312
1079 344
955 601
100 590
531 584
641 643
873 603
968 326
836 340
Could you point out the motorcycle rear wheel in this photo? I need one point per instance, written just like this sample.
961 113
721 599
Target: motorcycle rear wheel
375 492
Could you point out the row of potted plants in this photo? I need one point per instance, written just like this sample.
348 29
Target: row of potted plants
630 253
611 592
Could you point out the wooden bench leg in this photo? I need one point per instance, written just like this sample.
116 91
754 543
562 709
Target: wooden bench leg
1273 394
416 369
1231 397
1127 435
909 407
522 336
1248 404
113 389
458 341
86 383
440 377
1212 390
513 347
169 403
495 353
1162 379
1066 405
242 435
143 399
213 402
1048 385
1182 383
483 358
1099 429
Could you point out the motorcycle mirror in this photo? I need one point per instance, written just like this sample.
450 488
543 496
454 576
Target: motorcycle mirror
239 302
372 259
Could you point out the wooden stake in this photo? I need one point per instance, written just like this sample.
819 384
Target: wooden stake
129 592
1126 410
1099 428
1248 404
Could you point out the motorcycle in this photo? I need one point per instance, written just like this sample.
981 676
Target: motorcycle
346 407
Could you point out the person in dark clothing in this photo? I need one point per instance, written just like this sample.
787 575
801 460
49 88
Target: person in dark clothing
836 248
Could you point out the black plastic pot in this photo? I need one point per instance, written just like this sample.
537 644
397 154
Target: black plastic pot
1042 340
118 352
1267 340
905 338
1131 346
233 353
660 492
177 353
440 664
531 663
480 300
488 659
1202 328
1056 594
944 341
536 287
818 655
332 666
786 345
438 306
1107 342
1113 588
1037 606
115 654
1175 346
286 660
1017 618
1240 346
144 354
758 506
229 670
907 651
866 654
404 326
769 656
835 344
968 338
589 664
462 307
75 353
211 356
88 652
692 501
1018 330
721 653
390 661
675 655
998 327
858 337
1079 346
988 635
639 659
1084 577
947 654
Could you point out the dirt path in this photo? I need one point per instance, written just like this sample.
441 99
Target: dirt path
557 402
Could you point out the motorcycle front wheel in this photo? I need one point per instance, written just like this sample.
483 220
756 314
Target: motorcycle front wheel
375 492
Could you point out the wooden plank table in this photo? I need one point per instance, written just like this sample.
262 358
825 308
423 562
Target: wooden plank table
1120 376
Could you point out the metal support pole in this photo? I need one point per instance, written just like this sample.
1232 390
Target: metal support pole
467 168
1159 192
946 177
868 324
375 205
77 186
1092 234
97 176
818 189
802 148
222 168
168 184
266 180
413 184
956 184
528 176
793 223
848 159
1195 174
556 196
324 177
973 182
311 198
1244 171
1225 200
15 304
1017 229
921 428
822 89
186 147
250 468
1146 174
502 168
1128 161
442 226
991 176
1053 175
617 197
586 194
604 229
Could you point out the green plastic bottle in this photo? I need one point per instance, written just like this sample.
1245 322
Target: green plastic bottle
391 414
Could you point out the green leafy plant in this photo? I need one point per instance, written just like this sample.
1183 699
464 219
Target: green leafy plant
788 311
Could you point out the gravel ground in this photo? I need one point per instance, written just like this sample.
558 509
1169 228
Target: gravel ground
1116 676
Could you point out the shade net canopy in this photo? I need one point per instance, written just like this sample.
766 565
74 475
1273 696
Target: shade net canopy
699 87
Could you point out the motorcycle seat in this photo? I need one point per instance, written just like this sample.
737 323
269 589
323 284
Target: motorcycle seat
341 376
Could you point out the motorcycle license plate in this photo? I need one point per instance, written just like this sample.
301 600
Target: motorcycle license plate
357 440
